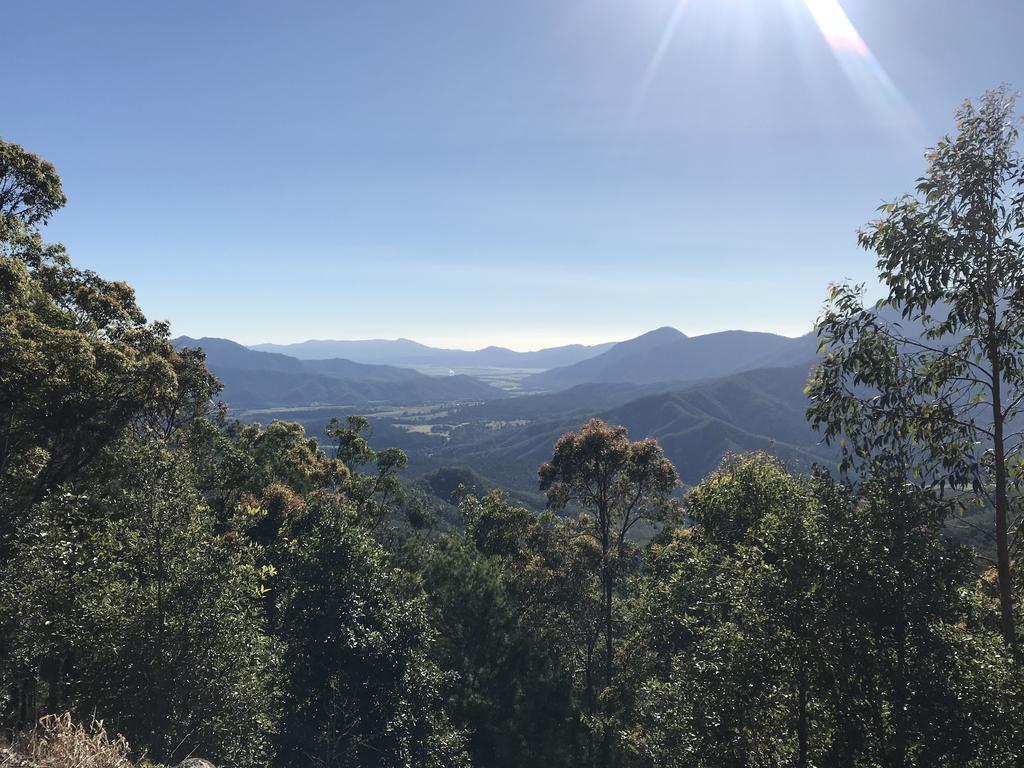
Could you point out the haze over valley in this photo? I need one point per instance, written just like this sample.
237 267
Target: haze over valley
496 412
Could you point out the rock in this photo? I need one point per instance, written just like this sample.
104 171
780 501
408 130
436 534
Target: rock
195 762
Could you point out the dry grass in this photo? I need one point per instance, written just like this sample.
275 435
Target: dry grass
58 742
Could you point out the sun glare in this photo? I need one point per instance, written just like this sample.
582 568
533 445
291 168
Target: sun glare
836 27
863 71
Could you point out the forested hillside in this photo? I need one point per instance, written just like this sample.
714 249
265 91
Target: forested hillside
667 355
744 569
697 425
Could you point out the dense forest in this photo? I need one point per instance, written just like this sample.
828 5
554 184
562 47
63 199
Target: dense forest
256 595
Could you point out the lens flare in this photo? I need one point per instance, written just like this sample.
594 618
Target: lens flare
863 71
836 27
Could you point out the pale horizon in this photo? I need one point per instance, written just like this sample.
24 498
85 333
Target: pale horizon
531 343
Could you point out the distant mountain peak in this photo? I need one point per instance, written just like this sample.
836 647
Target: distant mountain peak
666 332
206 341
667 355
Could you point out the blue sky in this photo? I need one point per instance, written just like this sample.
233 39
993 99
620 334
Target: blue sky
467 172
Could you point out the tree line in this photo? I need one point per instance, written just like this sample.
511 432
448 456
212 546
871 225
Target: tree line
258 596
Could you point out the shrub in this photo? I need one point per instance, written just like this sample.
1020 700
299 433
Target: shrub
58 742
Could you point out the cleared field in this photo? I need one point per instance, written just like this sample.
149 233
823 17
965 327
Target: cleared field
509 379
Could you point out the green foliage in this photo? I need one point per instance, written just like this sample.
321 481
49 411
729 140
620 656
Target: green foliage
374 494
939 393
360 686
513 690
177 612
733 500
30 189
826 628
618 483
147 597
230 590
78 362
137 530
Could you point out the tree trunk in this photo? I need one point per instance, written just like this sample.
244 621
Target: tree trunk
900 718
609 658
801 719
591 701
54 675
1006 622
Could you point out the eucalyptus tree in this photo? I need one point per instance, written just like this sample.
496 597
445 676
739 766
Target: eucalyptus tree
803 622
374 494
509 597
174 650
30 191
360 685
619 483
122 600
79 363
932 377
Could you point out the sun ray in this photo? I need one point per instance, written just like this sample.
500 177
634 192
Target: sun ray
862 69
865 74
658 58
836 27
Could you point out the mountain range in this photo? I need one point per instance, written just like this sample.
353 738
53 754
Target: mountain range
661 355
666 355
696 424
254 380
406 352
701 396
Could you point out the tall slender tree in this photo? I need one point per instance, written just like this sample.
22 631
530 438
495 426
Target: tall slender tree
934 374
619 483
